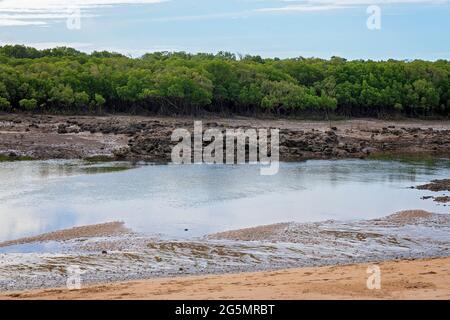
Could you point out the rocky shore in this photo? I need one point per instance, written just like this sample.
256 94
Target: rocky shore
148 138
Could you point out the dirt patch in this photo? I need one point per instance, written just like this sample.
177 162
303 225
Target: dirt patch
97 230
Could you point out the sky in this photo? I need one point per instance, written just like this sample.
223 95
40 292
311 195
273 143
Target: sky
408 29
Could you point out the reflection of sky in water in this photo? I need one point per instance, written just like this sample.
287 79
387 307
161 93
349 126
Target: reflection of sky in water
37 197
48 247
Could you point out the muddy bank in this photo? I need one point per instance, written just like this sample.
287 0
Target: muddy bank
443 199
97 230
131 256
436 185
148 138
332 232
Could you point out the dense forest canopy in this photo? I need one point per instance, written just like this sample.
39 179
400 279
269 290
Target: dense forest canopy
64 80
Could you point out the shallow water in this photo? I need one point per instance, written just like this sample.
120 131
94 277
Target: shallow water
43 196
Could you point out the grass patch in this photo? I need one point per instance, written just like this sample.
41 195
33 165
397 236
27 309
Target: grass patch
10 157
418 158
95 170
99 158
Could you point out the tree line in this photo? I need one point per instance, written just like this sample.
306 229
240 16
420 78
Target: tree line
64 80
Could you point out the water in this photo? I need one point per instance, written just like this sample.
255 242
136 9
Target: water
43 196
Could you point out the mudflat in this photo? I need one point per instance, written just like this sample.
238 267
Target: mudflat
148 138
108 253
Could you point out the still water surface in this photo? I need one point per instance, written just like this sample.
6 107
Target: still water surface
42 196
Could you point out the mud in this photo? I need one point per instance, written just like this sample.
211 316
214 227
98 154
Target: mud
443 199
148 138
436 185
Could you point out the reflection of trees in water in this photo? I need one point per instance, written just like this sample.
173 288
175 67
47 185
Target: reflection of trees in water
47 170
369 171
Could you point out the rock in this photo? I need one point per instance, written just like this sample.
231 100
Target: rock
73 129
122 152
62 129
368 150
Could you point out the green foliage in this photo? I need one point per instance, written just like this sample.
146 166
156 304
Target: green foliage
66 80
14 157
99 100
99 158
61 97
28 104
4 104
81 100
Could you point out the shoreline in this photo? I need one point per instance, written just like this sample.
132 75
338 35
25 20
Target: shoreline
400 279
139 138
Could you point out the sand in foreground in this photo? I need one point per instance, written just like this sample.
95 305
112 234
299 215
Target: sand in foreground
402 279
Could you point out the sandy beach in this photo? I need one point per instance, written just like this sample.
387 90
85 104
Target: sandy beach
400 279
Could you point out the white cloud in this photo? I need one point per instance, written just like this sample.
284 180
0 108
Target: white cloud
40 12
302 8
14 22
324 5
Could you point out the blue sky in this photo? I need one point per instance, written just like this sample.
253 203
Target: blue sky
271 28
